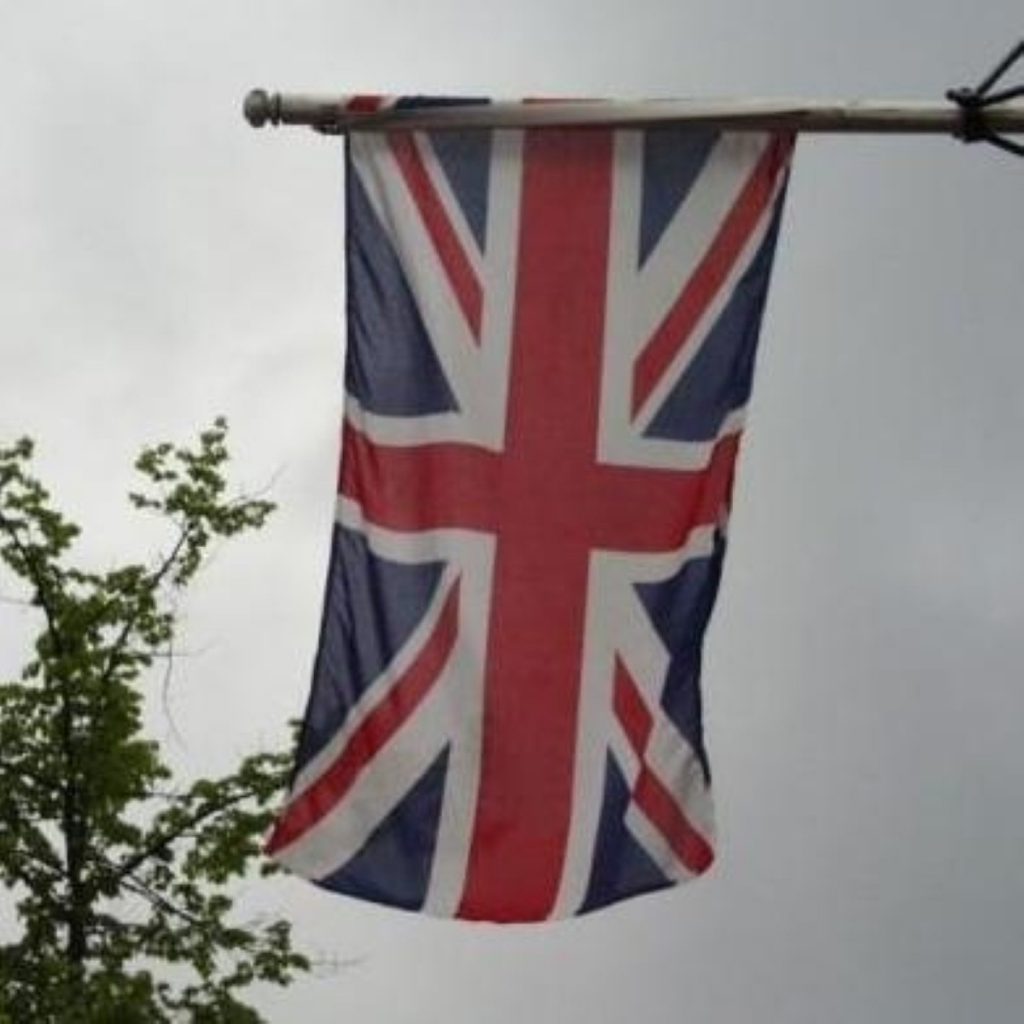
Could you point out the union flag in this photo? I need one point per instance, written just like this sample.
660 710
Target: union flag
551 340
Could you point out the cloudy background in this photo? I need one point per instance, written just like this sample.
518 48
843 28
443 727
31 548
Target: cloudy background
161 262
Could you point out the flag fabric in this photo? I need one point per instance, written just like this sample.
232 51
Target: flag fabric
551 337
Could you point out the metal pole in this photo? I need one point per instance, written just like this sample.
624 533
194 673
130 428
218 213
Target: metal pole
336 114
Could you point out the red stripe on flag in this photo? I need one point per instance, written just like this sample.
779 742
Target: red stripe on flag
420 486
632 713
365 104
406 694
632 509
663 811
463 279
702 287
658 804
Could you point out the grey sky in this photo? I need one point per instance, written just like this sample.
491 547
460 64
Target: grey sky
160 263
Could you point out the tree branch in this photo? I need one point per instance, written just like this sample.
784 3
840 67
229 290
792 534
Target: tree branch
162 842
135 884
37 581
152 585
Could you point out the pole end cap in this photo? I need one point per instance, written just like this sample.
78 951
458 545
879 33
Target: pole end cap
258 108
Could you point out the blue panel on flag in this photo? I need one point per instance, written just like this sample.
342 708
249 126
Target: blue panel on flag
680 608
371 607
721 375
391 367
394 865
621 867
673 159
466 159
415 102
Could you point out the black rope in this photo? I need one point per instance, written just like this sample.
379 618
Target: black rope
975 102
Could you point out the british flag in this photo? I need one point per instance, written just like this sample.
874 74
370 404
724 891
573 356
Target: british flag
551 339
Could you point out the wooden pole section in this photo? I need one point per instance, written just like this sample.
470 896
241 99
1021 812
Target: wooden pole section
335 115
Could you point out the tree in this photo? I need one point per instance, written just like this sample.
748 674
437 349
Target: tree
91 825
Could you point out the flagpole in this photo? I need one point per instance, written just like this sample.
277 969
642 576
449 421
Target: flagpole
340 114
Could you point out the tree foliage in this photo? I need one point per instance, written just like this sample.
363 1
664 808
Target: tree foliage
113 870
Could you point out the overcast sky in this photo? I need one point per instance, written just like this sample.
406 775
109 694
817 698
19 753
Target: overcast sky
161 262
